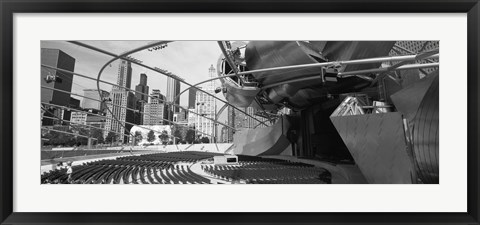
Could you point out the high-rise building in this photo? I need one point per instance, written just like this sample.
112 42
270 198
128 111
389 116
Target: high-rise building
142 87
87 118
192 117
95 121
154 112
89 103
61 80
124 77
121 98
181 117
79 117
191 98
131 115
141 96
173 89
73 104
205 106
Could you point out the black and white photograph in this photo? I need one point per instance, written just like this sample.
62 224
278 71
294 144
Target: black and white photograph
239 112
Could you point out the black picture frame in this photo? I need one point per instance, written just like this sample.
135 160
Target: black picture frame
9 7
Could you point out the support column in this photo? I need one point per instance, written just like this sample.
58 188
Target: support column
89 143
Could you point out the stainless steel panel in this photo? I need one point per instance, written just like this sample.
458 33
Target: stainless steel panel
419 105
409 98
270 140
377 144
425 136
268 54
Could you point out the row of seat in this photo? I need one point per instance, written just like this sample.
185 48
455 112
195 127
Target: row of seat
174 168
159 168
269 172
73 153
187 156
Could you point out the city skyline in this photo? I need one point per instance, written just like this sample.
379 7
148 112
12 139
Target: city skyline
171 58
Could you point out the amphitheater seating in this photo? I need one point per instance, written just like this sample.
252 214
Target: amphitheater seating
174 168
256 170
73 153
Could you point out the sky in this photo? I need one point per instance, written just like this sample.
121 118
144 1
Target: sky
189 60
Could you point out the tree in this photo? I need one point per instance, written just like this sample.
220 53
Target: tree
179 132
98 134
111 138
57 138
198 139
190 136
164 137
82 131
178 136
151 136
205 140
138 136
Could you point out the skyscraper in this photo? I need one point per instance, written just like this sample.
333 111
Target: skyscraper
73 104
191 98
141 98
155 110
173 89
121 98
142 87
63 81
205 106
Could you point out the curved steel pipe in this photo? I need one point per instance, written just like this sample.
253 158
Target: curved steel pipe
112 60
418 57
116 106
227 57
385 69
220 111
205 81
150 68
347 62
349 73
172 104
410 52
409 57
357 61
